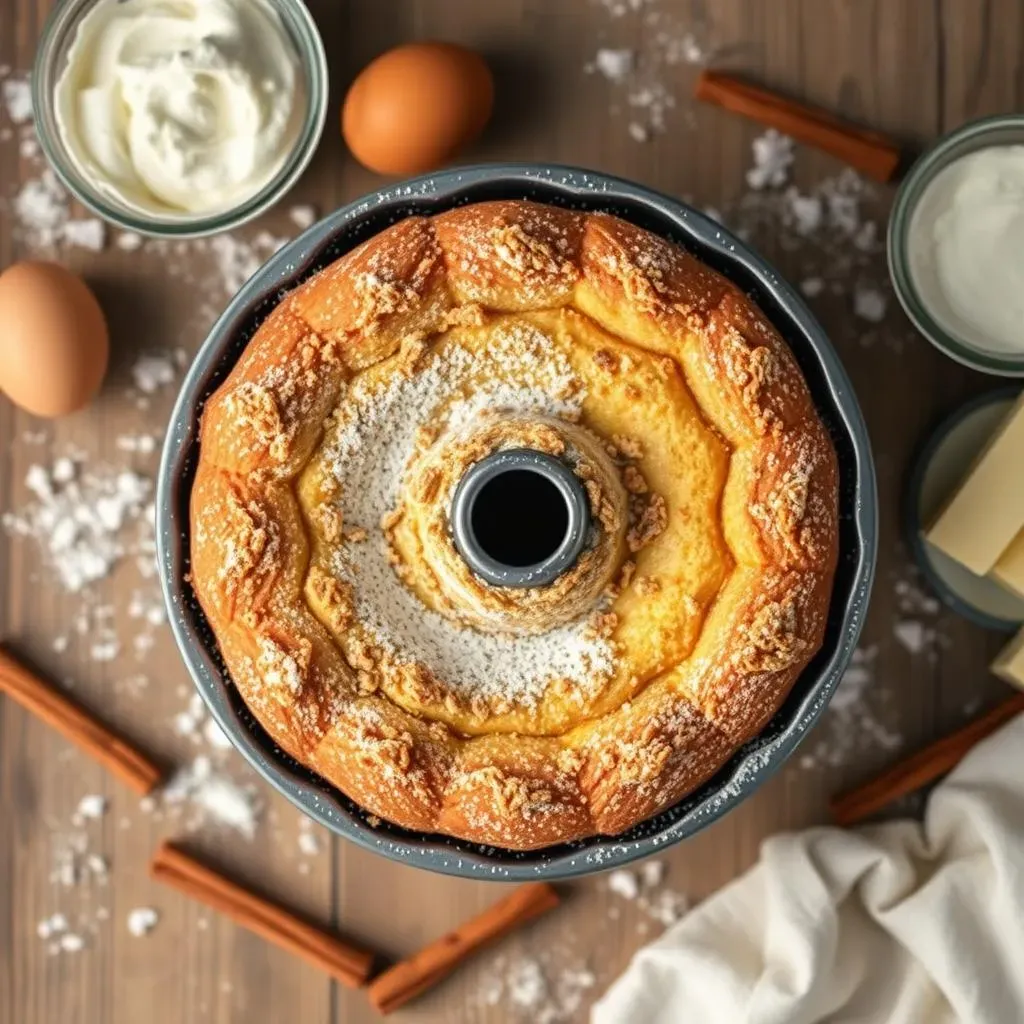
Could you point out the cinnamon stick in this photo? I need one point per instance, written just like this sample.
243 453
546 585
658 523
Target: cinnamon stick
410 978
322 948
867 151
78 726
923 767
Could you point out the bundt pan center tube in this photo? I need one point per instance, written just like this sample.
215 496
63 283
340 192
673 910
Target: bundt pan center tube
544 520
519 518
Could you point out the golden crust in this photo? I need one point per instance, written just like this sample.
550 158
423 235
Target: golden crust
277 615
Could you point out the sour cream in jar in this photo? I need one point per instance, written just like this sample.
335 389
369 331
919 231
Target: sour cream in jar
965 248
181 108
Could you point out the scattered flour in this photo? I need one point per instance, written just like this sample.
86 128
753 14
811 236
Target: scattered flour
78 876
189 722
215 737
86 234
52 925
141 921
539 994
642 887
42 211
615 65
153 371
919 630
237 259
303 216
214 798
80 519
652 873
911 599
98 867
625 884
16 94
773 157
195 724
652 101
806 212
812 286
645 83
822 235
143 444
309 840
852 725
129 241
90 808
869 304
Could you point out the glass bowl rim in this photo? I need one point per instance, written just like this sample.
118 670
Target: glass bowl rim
64 18
934 160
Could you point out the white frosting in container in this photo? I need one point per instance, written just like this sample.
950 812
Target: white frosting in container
181 107
966 249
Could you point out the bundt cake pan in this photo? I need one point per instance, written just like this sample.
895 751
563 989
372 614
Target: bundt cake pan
577 189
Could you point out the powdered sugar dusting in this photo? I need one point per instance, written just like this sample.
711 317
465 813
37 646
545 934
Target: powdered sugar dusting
370 454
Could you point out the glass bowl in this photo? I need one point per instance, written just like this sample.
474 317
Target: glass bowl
833 394
1001 130
59 34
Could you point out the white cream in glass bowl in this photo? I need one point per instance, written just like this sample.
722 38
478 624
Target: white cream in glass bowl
180 118
956 244
185 107
966 247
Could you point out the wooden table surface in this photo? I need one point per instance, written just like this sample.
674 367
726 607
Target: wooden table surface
915 68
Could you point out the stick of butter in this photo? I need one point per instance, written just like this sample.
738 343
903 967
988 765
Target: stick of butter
1010 663
1009 570
981 520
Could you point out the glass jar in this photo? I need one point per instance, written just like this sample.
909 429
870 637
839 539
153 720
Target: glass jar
51 57
1002 130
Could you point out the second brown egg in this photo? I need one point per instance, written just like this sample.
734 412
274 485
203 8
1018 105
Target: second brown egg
415 107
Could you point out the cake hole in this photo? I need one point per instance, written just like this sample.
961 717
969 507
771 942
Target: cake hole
520 518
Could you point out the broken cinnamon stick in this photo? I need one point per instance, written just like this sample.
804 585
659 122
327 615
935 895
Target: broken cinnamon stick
321 948
867 151
412 977
921 768
78 726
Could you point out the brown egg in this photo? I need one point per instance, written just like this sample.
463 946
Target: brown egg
415 107
54 344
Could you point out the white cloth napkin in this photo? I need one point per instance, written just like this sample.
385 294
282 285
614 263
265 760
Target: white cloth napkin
896 924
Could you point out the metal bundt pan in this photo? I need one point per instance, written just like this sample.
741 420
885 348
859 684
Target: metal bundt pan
576 189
